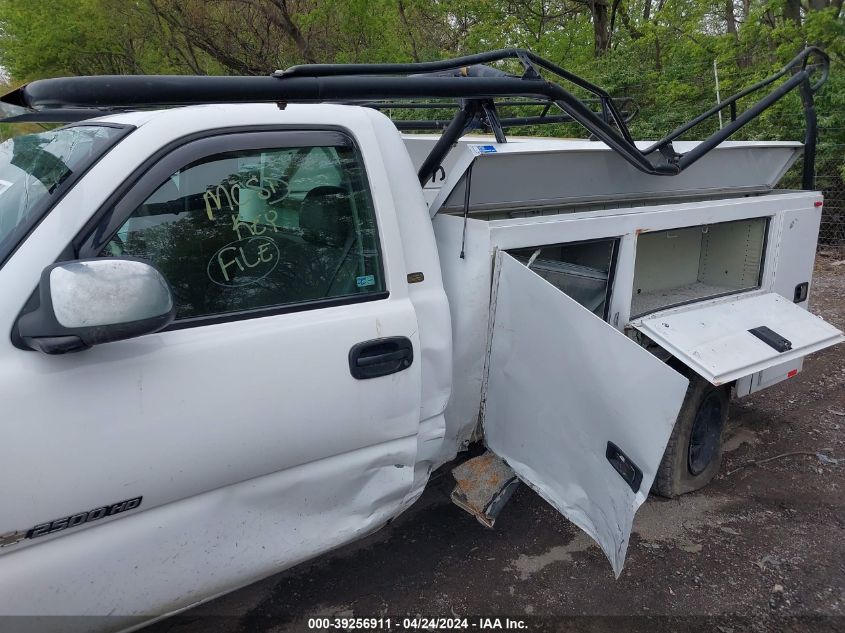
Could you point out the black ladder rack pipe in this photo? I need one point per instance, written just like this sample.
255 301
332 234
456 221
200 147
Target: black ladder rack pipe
463 119
460 78
122 91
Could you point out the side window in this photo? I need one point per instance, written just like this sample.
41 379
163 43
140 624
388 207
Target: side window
260 228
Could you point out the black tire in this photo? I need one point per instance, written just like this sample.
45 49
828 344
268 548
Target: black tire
694 452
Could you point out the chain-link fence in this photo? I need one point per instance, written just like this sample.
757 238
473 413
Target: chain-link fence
785 121
832 230
830 163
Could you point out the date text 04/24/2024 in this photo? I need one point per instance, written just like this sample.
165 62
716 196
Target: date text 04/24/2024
416 623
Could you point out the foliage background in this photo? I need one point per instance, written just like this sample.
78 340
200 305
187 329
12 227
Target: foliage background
659 52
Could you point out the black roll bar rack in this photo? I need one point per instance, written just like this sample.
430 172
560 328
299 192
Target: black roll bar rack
474 85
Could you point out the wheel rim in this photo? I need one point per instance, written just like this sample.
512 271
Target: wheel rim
706 434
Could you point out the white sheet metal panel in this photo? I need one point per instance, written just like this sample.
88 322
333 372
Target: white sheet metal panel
795 252
713 339
796 248
467 283
526 173
561 384
419 248
538 230
140 568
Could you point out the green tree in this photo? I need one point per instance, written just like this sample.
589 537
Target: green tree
661 53
47 38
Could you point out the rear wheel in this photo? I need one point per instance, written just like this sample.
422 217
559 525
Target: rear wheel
694 451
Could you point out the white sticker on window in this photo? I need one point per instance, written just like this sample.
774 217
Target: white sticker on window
365 280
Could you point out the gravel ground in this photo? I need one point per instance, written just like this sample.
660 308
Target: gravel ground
762 548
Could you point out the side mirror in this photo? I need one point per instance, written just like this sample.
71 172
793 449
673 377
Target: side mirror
93 301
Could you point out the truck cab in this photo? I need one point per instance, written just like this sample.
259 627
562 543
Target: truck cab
294 403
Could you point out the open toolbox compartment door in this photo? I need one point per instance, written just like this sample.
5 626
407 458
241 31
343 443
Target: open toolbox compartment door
732 338
552 172
578 410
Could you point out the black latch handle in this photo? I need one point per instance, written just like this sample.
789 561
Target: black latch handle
623 465
772 339
380 357
377 359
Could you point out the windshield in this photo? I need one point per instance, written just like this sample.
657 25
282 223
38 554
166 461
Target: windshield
33 168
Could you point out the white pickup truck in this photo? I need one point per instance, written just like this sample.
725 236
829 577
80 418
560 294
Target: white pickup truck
280 333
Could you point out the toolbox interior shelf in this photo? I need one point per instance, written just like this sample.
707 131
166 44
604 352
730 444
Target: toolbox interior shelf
681 265
582 270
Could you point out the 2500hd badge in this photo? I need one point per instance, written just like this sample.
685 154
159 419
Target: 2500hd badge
73 520
79 518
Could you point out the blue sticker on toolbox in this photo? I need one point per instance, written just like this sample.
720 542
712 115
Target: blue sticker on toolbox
365 280
482 149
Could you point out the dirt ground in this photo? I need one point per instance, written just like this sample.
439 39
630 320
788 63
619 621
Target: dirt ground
760 549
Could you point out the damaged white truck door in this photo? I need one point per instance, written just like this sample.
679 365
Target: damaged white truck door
579 411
